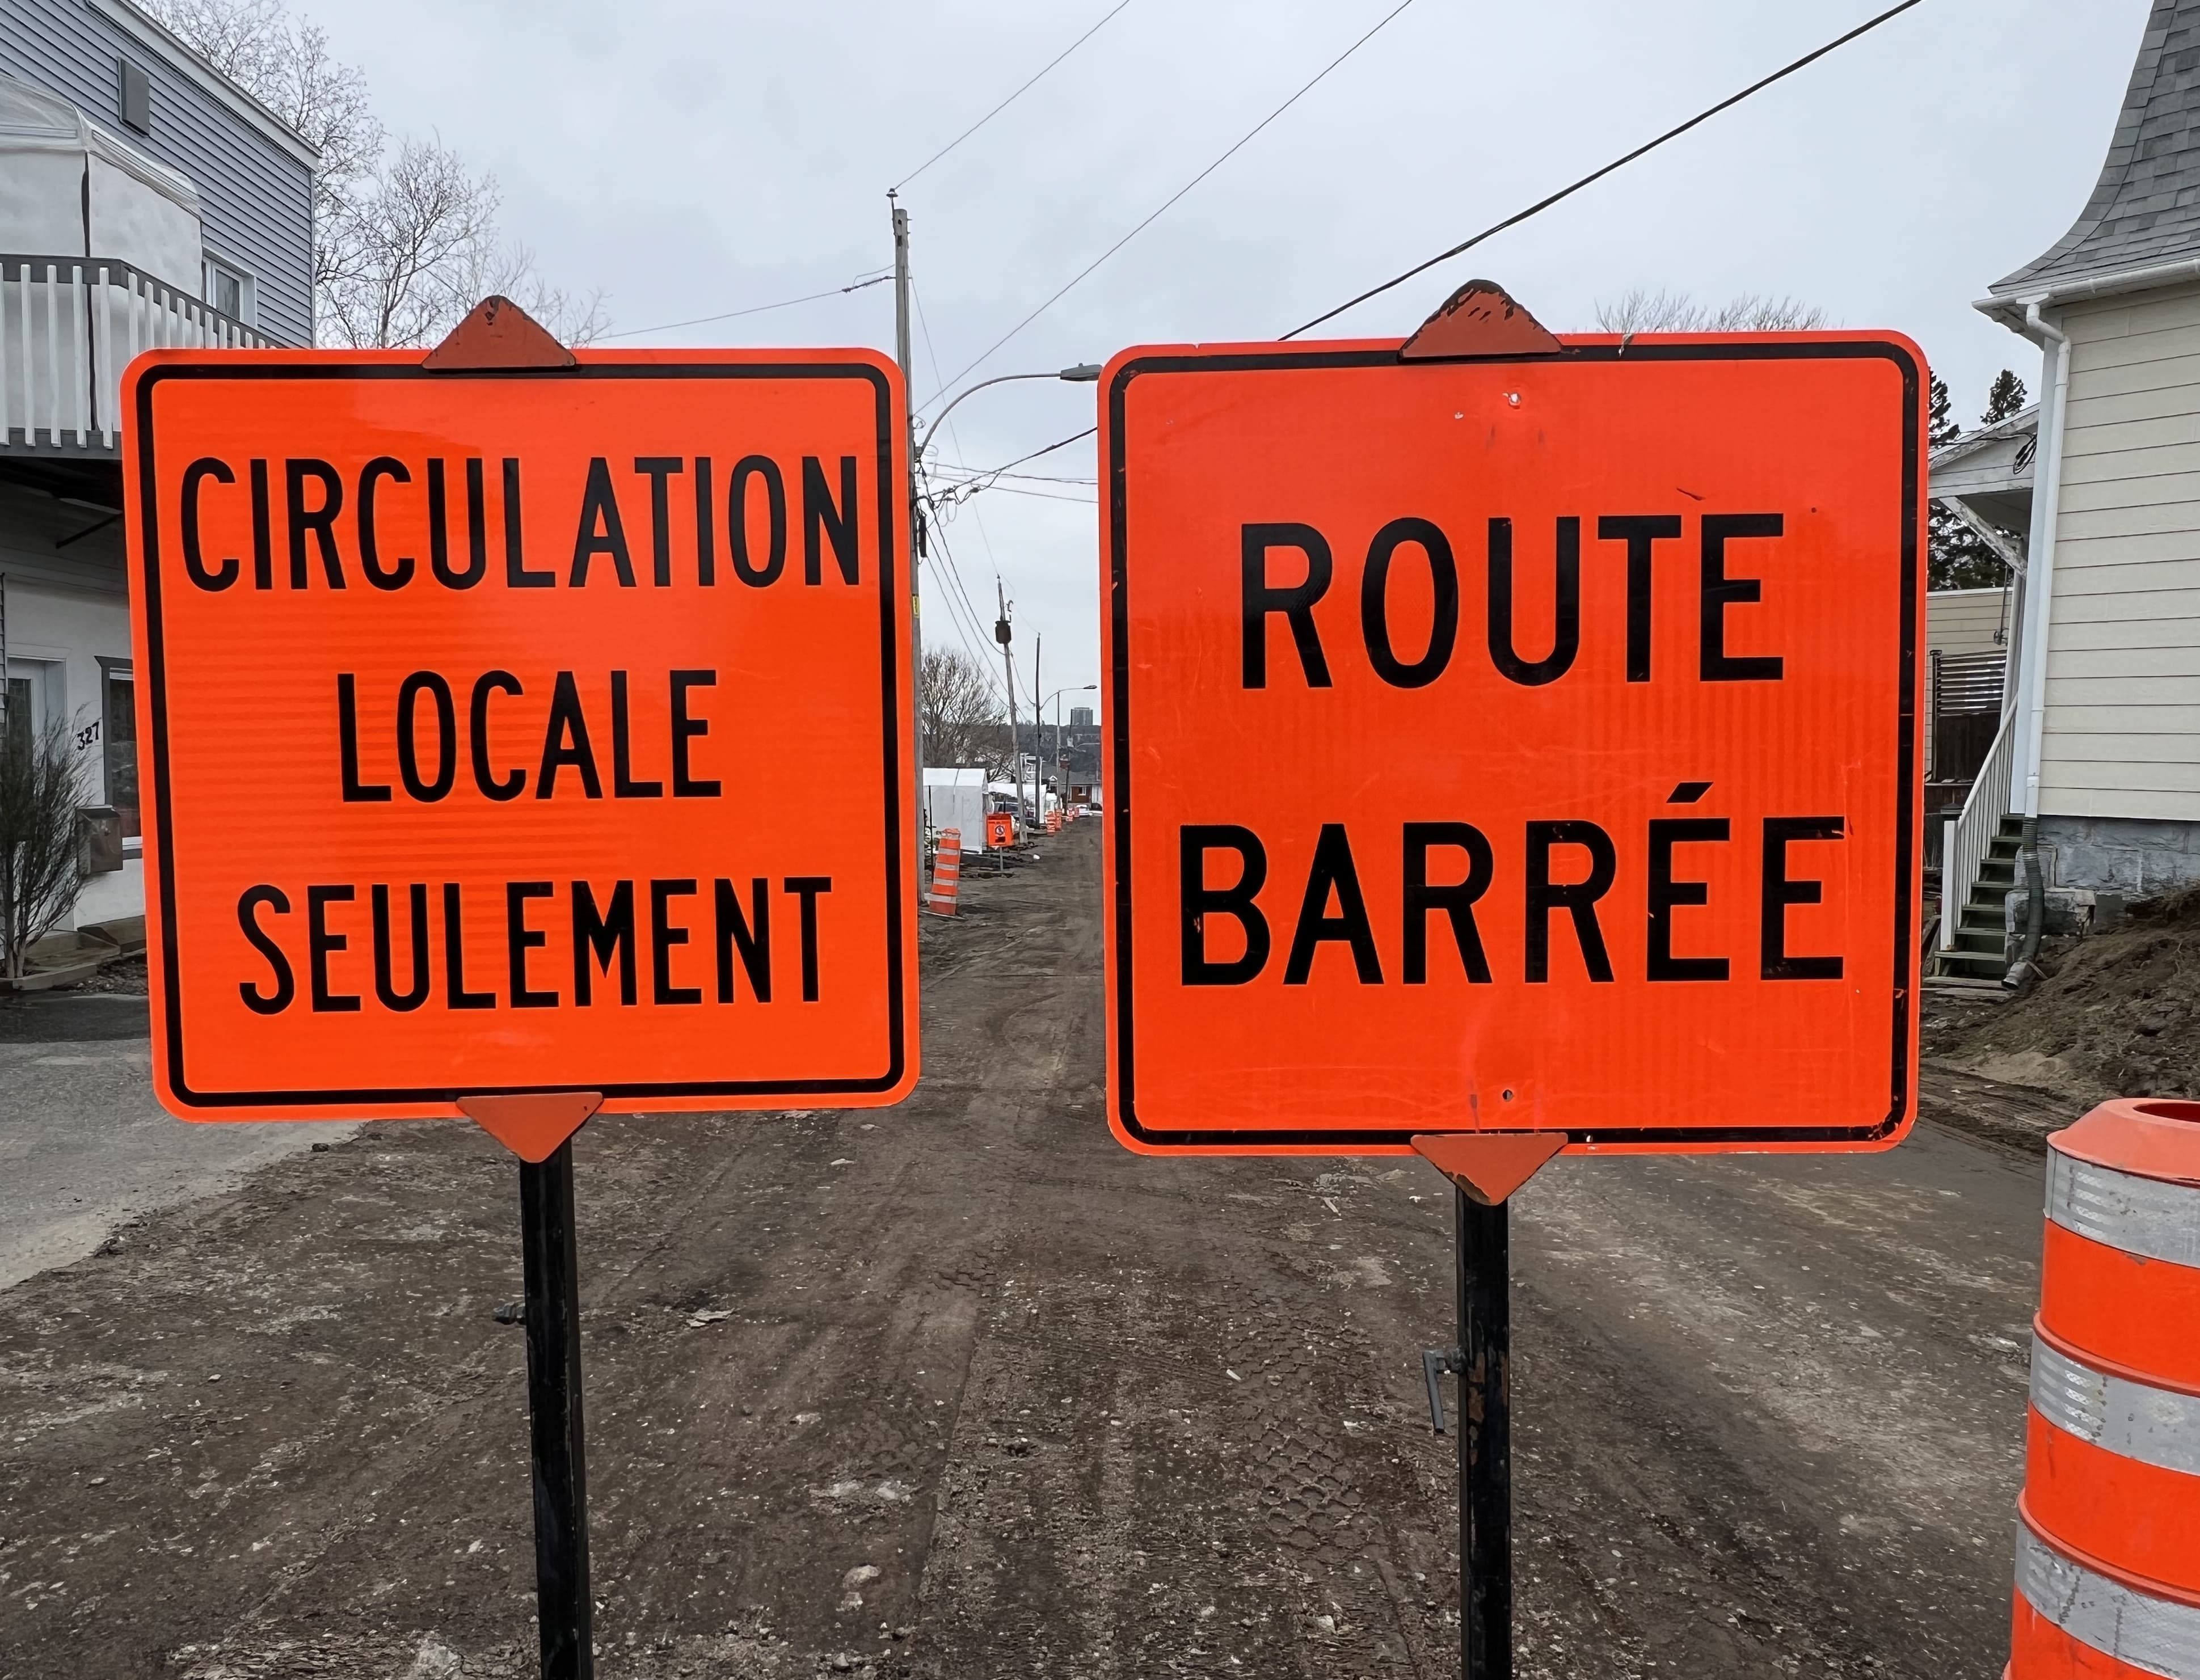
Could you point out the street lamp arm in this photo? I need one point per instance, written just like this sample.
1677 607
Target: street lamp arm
1082 373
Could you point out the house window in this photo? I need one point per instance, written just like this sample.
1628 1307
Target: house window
118 736
32 690
135 95
228 289
19 723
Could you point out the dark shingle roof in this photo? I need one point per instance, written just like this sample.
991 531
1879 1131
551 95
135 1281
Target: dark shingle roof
2146 208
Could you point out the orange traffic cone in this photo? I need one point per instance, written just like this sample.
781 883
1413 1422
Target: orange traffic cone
946 872
2107 1551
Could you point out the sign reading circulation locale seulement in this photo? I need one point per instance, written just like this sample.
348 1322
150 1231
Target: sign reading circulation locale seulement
488 719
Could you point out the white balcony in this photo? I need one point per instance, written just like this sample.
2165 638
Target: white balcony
68 327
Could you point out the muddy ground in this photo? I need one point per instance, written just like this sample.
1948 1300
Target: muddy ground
2117 1013
964 1390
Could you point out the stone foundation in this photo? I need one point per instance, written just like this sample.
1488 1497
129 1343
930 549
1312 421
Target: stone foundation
2135 856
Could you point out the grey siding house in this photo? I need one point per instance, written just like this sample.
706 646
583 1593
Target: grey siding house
254 176
2094 498
144 201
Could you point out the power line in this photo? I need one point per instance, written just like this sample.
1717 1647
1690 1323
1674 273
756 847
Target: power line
1059 443
970 472
932 467
1241 143
1541 205
927 470
954 573
1009 100
967 488
957 595
756 309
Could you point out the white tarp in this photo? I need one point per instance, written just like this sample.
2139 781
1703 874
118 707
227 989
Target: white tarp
70 189
954 798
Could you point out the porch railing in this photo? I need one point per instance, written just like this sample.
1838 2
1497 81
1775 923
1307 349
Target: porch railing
68 327
1970 833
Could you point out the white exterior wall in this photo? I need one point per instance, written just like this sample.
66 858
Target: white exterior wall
67 608
1967 620
2123 703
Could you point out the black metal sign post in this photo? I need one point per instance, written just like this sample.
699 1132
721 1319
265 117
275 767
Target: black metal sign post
1485 1440
1484 1170
553 1402
538 1127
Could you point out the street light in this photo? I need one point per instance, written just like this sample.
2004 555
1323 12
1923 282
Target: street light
1080 373
1083 688
1083 373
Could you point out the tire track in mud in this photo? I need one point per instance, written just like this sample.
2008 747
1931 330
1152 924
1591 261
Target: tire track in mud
961 1389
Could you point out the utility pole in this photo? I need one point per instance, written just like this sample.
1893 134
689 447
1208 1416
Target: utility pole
1001 633
916 531
1038 796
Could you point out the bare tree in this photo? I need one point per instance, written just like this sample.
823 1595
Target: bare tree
405 238
397 245
1641 311
960 718
508 270
42 783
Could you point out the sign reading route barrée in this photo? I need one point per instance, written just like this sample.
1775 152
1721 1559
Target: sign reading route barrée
512 731
1526 743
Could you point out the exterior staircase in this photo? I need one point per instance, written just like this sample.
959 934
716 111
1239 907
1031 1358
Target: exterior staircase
1980 951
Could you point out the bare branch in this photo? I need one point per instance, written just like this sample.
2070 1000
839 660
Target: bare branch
1639 310
405 241
42 784
960 719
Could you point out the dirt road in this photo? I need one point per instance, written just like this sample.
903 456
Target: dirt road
963 1390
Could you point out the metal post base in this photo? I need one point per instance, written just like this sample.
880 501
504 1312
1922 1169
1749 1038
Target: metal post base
1485 1440
553 1401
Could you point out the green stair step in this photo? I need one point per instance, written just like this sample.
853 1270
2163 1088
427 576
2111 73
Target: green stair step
1974 963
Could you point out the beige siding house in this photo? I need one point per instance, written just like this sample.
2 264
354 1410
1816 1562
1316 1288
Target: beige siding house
2121 736
1959 621
2094 498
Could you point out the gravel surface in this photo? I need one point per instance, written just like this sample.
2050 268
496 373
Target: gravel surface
963 1389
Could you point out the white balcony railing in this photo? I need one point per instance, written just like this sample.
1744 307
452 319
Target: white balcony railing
68 327
1969 833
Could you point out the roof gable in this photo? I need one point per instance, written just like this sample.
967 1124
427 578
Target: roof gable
2145 209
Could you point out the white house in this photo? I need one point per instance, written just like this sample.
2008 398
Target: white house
144 201
2095 496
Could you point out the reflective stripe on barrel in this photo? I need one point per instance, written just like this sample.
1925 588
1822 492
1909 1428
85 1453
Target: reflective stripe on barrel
2118 1629
2107 1563
946 872
2112 1467
2144 1217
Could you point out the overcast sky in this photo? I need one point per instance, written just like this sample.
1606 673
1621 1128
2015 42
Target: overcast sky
692 158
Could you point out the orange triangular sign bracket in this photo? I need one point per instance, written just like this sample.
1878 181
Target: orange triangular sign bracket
497 333
1481 318
532 1124
1490 1166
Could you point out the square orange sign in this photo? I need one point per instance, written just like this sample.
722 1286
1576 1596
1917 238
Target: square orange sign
1517 743
523 731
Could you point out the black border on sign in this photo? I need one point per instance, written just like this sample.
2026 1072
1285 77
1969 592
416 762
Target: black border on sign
890 662
1120 723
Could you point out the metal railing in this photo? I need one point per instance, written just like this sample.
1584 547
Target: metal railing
1967 836
68 327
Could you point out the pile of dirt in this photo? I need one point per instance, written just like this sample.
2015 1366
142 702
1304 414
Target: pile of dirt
2114 1013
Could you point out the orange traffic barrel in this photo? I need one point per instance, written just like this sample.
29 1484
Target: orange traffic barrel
946 872
1054 822
2108 1549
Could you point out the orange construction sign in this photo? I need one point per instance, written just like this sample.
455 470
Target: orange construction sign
1514 741
482 709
